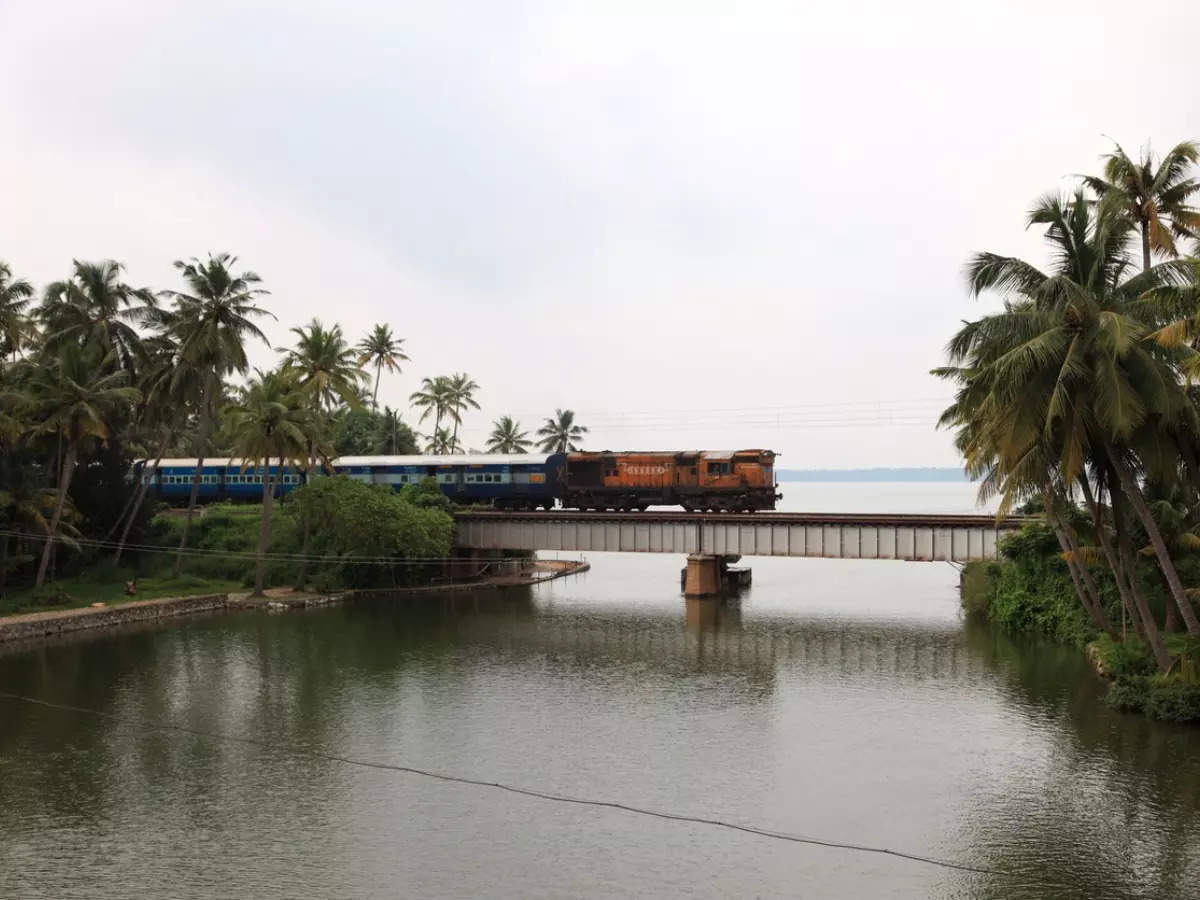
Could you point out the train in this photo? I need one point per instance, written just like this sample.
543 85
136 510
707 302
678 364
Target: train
741 480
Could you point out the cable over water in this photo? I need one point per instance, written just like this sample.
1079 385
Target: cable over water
527 791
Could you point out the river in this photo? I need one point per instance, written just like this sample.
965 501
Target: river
841 700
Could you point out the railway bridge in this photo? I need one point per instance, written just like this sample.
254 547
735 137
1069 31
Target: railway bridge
712 539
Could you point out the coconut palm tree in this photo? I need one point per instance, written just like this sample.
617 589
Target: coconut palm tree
434 397
74 399
462 390
272 422
1154 194
507 437
212 323
324 365
1066 374
168 386
381 349
95 308
442 443
560 433
15 325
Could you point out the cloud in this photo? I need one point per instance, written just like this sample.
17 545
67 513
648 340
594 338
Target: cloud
622 210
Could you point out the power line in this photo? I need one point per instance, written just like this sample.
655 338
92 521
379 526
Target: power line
522 791
96 543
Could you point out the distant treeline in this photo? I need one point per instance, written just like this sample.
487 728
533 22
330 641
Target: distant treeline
929 474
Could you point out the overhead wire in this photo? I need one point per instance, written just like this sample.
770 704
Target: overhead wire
524 791
277 557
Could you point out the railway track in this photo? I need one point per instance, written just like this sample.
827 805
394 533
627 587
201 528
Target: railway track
930 520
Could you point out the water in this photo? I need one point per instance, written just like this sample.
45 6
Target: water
844 700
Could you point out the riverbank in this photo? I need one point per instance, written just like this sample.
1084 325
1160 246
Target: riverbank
1029 591
53 622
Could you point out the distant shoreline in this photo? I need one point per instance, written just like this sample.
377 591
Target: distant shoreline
882 474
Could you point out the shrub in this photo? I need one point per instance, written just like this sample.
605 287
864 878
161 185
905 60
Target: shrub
1173 701
353 519
1124 659
1127 695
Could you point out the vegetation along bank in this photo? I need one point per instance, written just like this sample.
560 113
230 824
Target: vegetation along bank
1076 400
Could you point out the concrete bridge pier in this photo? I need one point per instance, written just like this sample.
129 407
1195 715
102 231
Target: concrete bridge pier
703 575
708 575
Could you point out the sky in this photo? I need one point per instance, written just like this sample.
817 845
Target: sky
699 225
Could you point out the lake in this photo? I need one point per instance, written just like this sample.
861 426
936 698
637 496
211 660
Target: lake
842 700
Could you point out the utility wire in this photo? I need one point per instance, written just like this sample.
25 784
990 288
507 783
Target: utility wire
526 792
201 552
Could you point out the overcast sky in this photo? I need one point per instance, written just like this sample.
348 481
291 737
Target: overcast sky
699 225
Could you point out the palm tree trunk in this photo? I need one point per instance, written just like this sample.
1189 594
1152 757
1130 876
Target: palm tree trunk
1110 556
1149 627
1099 616
128 503
5 482
264 530
375 393
187 522
64 482
1134 494
312 464
143 489
1145 245
1084 589
1081 593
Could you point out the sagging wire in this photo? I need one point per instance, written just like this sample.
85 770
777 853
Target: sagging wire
527 792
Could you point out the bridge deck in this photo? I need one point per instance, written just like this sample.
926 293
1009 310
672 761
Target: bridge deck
953 538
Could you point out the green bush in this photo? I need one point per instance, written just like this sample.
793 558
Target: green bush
1124 659
1173 701
350 519
1127 695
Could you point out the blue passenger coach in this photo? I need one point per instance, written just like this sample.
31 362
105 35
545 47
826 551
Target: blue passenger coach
506 482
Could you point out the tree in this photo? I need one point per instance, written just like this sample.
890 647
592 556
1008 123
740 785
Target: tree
382 350
392 436
15 325
74 398
1154 197
324 365
442 443
434 397
211 325
272 422
1066 376
507 437
168 386
560 433
95 308
461 388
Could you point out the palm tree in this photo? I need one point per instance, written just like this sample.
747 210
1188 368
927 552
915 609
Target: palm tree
271 422
15 325
507 437
95 308
74 400
212 324
442 443
462 390
1154 197
382 350
1067 375
324 365
433 397
560 434
168 386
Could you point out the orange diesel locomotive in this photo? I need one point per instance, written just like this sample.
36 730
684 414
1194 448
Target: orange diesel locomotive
743 480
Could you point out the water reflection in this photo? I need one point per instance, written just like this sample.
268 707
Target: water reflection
933 735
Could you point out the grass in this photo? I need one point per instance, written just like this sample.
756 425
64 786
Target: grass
87 588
